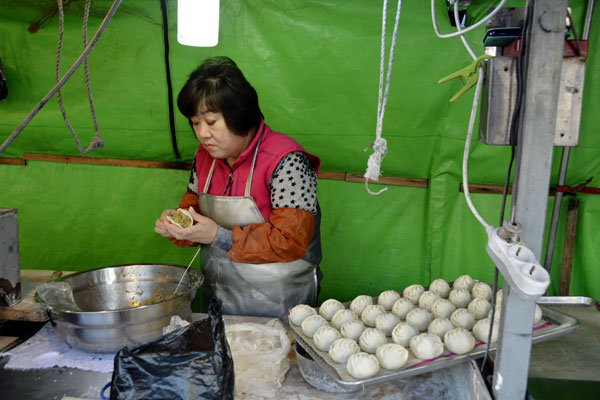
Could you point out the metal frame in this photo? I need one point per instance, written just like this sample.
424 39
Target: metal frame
543 61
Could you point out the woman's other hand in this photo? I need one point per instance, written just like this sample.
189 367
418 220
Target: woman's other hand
162 224
204 229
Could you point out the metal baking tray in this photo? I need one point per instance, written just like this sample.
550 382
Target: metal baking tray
569 301
552 325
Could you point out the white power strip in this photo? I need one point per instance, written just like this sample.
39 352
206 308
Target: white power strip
518 265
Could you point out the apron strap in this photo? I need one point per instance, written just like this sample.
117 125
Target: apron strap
250 174
209 177
249 180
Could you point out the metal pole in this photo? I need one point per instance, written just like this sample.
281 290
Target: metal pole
544 43
558 196
564 162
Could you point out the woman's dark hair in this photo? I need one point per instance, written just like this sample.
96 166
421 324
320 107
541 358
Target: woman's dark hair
219 86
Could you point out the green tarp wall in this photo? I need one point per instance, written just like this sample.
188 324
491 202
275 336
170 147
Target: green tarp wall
315 65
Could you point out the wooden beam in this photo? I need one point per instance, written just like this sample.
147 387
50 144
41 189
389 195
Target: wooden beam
494 189
12 161
119 162
567 259
336 176
390 180
383 180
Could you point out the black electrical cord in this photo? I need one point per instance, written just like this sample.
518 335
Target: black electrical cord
165 23
514 131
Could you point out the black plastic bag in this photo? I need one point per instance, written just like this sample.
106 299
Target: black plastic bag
193 362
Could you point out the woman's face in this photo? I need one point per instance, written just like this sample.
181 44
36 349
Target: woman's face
216 138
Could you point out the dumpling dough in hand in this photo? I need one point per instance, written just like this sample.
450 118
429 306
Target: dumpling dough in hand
312 323
325 336
360 302
329 308
419 318
388 298
341 349
391 355
300 312
370 339
459 340
362 365
426 346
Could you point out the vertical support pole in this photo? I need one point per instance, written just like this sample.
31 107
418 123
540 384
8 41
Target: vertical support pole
545 35
567 259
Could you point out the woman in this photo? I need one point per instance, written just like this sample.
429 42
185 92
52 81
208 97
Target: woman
252 194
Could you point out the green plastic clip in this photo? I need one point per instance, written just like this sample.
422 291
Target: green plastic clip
470 74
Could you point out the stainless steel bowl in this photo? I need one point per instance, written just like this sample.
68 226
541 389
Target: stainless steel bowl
124 305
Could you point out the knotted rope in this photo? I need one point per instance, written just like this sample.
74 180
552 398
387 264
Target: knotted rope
96 142
380 144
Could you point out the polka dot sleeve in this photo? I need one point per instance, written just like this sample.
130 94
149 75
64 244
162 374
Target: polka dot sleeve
294 184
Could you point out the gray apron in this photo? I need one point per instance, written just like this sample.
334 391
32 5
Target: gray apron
250 289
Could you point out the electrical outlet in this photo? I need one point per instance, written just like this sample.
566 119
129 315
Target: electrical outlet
518 265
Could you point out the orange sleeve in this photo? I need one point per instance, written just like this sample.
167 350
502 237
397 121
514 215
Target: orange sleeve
188 200
284 238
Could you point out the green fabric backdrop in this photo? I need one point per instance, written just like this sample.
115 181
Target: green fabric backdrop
315 65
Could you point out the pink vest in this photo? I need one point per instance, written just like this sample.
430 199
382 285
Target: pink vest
273 147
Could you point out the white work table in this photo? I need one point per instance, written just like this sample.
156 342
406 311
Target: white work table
68 383
574 356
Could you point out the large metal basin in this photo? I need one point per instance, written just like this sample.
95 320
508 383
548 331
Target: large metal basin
124 305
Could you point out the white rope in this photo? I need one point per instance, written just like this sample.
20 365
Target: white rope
63 80
96 142
380 144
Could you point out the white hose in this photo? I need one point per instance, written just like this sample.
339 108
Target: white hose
460 32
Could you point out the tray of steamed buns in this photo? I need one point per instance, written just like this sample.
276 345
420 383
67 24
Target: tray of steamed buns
403 333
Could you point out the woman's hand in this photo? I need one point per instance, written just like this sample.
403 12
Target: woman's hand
162 224
204 229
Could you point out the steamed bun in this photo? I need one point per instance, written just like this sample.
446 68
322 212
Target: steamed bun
329 308
391 355
300 312
413 292
459 340
341 349
362 365
426 346
388 298
360 302
419 318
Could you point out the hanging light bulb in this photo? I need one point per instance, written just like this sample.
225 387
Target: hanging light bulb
198 22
